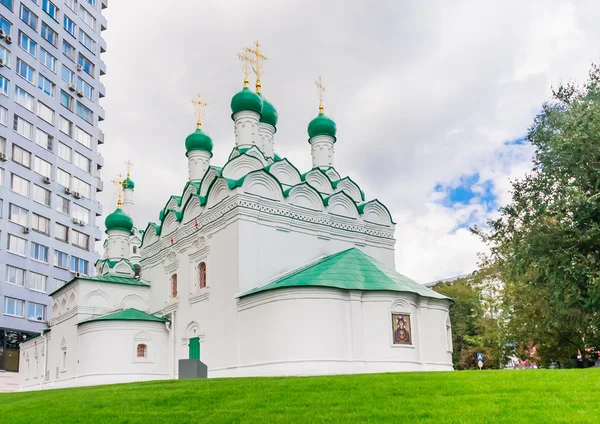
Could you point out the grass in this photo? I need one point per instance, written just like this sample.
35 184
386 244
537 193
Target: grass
527 396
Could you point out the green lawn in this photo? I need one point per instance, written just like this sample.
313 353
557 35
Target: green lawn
528 396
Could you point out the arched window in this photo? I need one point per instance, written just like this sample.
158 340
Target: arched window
202 272
142 350
174 285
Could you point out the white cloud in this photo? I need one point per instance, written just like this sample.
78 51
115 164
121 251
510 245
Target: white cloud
422 92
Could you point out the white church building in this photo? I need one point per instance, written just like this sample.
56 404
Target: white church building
256 269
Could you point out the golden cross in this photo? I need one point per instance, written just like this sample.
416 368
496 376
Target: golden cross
197 101
322 90
128 164
246 65
257 65
118 183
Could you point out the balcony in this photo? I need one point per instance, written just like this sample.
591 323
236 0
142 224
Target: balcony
101 91
102 67
99 185
104 4
100 114
102 43
100 137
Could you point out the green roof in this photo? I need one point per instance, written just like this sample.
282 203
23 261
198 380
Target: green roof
129 281
348 270
130 314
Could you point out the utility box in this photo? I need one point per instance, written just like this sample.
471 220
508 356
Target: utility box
192 368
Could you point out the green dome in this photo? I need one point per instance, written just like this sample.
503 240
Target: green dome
118 220
128 184
198 140
246 100
269 113
322 125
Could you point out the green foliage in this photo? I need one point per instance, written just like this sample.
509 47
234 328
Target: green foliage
536 396
545 247
476 326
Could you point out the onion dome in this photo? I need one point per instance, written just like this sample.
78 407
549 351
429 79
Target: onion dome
269 113
198 140
128 184
246 100
322 125
118 220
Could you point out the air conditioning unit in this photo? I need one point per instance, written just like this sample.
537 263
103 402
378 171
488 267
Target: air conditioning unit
46 180
67 190
75 221
82 223
3 156
8 39
79 68
76 195
2 33
71 87
80 93
77 274
25 230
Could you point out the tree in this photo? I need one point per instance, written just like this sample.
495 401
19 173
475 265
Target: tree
545 246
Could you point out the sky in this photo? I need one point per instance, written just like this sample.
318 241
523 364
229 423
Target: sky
432 99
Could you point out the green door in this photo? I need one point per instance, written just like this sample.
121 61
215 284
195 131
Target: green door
194 348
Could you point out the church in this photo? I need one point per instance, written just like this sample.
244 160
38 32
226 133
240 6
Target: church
253 268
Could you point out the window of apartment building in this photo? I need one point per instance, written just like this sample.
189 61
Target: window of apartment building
46 85
42 167
87 89
21 156
67 75
40 195
13 307
39 252
1 184
5 25
2 145
23 98
43 139
66 100
5 56
68 50
45 113
84 113
4 84
7 3
27 43
15 275
61 259
92 2
50 8
38 282
82 162
3 115
16 245
61 232
48 60
71 4
86 64
41 224
87 41
19 185
63 178
80 239
64 152
23 127
59 283
87 17
28 17
66 126
17 214
36 311
80 213
81 187
69 25
49 34
26 71
83 138
78 265
63 205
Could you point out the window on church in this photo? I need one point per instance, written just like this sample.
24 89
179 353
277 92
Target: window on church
202 272
174 285
134 249
142 351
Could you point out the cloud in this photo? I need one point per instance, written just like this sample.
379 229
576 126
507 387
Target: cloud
425 94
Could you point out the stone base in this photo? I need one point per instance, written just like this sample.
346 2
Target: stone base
192 368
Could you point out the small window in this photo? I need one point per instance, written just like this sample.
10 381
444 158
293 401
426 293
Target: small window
202 271
134 250
174 286
142 351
